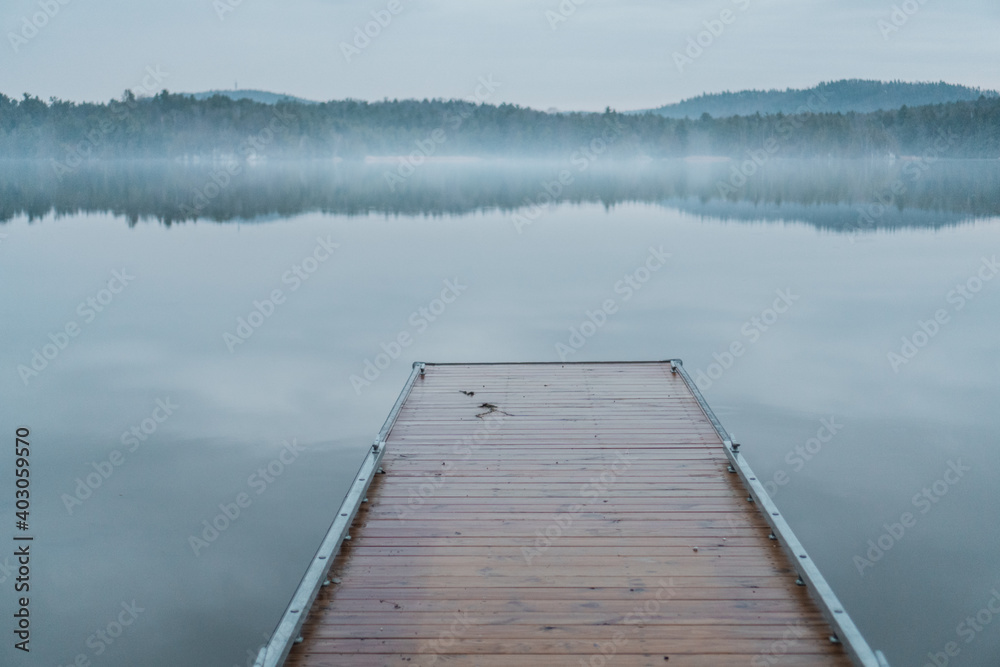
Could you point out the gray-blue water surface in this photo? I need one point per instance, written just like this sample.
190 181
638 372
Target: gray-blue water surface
865 389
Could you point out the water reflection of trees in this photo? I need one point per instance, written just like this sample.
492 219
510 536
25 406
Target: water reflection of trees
826 194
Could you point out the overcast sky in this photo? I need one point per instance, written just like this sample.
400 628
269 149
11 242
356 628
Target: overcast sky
618 53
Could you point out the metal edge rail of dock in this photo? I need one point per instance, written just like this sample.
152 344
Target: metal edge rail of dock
809 575
289 628
274 653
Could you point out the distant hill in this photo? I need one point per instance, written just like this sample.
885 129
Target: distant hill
858 95
260 96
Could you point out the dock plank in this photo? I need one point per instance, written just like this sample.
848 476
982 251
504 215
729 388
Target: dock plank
560 515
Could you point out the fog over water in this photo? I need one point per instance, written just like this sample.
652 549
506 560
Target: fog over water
851 196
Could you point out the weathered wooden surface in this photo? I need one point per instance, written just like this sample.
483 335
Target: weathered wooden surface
564 515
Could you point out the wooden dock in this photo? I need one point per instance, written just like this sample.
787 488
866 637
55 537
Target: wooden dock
561 514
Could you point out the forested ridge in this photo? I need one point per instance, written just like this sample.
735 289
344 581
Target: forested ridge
846 95
174 126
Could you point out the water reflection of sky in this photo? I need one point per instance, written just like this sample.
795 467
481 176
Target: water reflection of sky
163 337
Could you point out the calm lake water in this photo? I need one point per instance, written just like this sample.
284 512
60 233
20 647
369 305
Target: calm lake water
201 408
